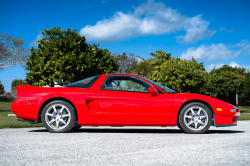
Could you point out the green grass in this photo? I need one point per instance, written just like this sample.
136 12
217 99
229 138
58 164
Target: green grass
244 109
244 117
10 121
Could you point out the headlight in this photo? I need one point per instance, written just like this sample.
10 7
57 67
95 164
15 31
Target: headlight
232 110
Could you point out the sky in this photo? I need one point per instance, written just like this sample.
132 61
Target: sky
214 32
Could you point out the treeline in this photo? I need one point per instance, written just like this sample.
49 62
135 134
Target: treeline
189 76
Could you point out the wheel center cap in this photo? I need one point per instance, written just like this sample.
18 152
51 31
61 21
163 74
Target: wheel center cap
196 118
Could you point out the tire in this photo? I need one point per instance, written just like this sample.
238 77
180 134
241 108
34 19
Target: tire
58 117
180 127
195 118
76 127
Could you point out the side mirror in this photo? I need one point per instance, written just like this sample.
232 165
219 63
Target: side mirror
153 91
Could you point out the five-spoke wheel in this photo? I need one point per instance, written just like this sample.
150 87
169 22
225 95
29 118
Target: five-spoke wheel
195 118
58 116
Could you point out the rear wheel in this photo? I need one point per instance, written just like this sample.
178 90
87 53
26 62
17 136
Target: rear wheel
58 117
195 118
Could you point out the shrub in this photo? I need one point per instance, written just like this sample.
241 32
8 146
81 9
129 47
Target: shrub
17 82
1 88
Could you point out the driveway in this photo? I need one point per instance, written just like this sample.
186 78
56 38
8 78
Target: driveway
126 146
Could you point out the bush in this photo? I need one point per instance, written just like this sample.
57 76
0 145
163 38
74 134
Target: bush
1 88
17 82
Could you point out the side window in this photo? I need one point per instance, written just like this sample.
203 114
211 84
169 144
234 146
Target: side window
125 83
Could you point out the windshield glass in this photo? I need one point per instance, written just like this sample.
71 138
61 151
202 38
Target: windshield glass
83 83
166 89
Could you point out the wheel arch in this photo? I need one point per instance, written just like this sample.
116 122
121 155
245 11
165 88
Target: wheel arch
39 120
199 101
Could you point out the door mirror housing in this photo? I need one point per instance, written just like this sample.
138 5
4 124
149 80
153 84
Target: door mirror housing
153 91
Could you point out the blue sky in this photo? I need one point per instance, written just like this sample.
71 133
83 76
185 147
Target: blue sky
215 32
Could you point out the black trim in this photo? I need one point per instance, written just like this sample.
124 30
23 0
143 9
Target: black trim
225 125
84 86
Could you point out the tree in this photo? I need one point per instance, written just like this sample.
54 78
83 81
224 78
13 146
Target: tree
65 57
1 88
144 67
224 81
12 51
17 82
127 62
175 73
246 89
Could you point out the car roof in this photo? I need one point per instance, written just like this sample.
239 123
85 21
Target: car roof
121 74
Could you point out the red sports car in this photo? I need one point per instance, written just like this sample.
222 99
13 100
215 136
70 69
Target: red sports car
120 100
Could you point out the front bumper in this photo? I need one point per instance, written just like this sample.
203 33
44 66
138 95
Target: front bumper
227 120
225 125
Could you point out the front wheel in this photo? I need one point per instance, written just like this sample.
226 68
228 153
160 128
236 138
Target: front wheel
195 118
58 117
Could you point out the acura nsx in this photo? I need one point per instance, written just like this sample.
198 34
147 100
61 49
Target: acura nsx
120 100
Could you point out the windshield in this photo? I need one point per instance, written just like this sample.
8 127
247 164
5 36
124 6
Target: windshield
166 89
85 83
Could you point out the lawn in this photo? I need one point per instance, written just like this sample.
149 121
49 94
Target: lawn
244 109
11 122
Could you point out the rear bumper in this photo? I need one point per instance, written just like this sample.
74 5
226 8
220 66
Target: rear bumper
26 120
16 108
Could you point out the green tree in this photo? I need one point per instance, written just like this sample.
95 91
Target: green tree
144 67
175 73
126 61
224 81
17 82
65 57
246 89
133 64
12 51
1 88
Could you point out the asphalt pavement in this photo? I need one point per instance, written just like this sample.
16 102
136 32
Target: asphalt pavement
126 146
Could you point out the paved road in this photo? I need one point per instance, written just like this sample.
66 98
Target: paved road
126 146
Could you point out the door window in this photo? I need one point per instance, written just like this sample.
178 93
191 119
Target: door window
125 83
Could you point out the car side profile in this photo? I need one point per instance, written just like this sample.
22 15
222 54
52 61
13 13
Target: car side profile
120 100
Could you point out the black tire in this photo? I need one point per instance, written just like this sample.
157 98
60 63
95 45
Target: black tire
55 114
180 127
195 118
76 127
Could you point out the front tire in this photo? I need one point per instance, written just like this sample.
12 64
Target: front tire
58 117
76 127
195 118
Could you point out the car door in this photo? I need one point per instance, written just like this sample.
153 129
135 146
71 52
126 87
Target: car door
126 98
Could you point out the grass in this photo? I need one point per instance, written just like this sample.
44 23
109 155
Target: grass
11 122
244 109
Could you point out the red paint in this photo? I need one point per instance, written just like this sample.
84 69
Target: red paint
97 107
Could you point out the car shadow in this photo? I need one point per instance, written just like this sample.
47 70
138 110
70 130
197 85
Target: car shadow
142 131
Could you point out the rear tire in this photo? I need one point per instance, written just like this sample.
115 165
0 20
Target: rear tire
195 118
58 117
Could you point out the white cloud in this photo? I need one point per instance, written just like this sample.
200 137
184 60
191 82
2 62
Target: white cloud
233 64
34 42
210 67
149 18
217 52
196 29
225 29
